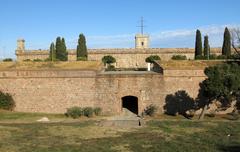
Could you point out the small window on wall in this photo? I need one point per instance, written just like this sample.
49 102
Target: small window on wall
142 43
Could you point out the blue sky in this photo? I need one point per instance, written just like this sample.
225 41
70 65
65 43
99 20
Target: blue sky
113 23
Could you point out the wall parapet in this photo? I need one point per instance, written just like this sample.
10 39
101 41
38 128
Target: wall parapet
47 74
184 73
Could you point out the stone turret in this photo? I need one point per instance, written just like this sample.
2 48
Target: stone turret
20 45
141 41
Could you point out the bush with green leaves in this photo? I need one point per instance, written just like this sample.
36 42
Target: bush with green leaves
222 57
82 59
200 57
6 101
97 111
88 111
27 60
150 110
50 60
108 59
74 112
37 60
215 57
179 57
152 58
235 56
7 60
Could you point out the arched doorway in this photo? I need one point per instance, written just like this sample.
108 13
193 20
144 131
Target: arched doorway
130 103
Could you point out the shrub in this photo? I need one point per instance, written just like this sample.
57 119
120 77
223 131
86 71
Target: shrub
108 59
82 59
200 57
26 60
179 57
152 58
222 57
88 112
110 68
213 57
97 111
37 60
49 59
7 60
6 101
150 110
235 56
74 112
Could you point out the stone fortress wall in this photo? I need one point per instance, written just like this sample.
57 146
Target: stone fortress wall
125 57
53 91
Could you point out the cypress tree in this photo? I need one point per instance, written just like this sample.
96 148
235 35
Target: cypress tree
198 45
226 48
58 48
206 47
81 47
52 53
61 49
64 50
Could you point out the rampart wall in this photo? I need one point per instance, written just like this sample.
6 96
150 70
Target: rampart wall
125 58
53 91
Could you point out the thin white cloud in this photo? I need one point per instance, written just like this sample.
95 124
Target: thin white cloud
171 38
206 30
174 38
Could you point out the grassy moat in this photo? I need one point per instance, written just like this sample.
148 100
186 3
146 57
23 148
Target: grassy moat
21 132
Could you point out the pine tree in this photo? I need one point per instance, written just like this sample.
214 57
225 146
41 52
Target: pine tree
81 47
206 47
198 45
52 53
226 48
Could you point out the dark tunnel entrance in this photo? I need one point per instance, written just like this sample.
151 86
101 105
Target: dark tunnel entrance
130 103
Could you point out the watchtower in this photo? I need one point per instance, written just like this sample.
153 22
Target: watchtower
141 40
20 45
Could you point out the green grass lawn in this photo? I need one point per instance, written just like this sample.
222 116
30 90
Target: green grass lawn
86 135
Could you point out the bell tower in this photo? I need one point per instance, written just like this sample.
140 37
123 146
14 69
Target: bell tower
141 40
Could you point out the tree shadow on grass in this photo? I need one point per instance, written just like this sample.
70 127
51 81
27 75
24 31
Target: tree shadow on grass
229 148
179 103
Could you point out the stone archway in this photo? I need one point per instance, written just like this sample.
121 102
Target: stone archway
130 103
